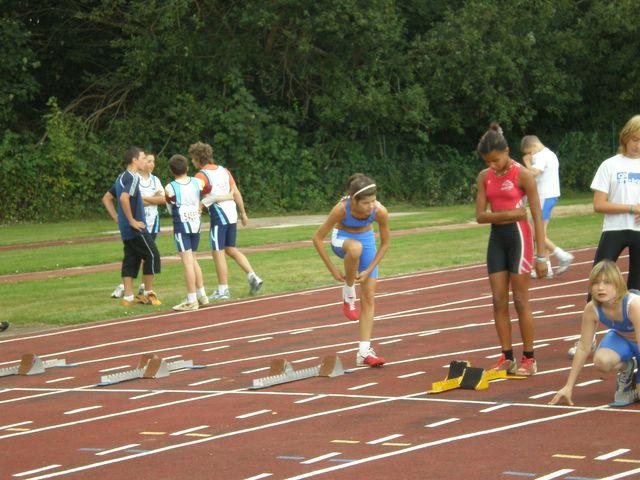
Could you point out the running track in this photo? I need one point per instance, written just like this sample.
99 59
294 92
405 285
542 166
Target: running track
367 424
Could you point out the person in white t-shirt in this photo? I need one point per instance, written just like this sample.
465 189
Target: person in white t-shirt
616 193
544 166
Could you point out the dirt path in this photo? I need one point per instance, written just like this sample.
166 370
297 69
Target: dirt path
265 222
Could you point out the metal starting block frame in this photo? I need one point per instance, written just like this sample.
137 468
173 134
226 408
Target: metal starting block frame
462 375
281 371
150 365
31 364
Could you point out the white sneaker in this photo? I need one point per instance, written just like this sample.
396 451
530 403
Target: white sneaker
216 295
564 264
369 359
572 351
203 300
186 306
255 283
118 292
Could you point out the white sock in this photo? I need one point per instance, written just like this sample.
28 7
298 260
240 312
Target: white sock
191 297
349 291
223 287
141 286
201 292
363 348
129 298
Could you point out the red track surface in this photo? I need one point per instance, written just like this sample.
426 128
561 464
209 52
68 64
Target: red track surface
367 424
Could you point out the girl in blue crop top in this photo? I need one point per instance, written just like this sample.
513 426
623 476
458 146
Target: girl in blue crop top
353 240
618 309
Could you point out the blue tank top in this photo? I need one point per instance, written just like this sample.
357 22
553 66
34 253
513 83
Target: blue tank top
351 222
625 325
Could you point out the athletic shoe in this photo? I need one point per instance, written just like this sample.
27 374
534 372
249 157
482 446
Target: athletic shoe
564 264
3 326
141 289
350 309
528 367
216 295
138 299
255 283
186 306
626 392
152 299
203 300
118 292
370 358
509 366
572 351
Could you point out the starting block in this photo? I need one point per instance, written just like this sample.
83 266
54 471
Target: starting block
462 375
31 364
281 371
149 366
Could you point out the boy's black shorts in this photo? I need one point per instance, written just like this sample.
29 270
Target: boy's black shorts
141 247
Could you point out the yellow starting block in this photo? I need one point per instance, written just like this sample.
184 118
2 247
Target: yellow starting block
462 375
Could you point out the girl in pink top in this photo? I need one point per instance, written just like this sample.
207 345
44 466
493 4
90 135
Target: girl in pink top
505 186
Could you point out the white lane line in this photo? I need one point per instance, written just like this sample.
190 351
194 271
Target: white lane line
80 410
390 341
260 476
215 348
62 379
119 367
442 422
253 414
589 382
261 369
628 473
384 439
202 382
320 458
615 453
189 430
263 339
145 395
426 334
310 399
358 387
172 357
118 449
298 332
556 474
308 359
495 407
27 422
543 394
37 470
562 307
409 375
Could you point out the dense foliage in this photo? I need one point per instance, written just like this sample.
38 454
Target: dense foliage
295 95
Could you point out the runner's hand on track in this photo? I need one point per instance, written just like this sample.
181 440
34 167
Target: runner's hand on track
563 394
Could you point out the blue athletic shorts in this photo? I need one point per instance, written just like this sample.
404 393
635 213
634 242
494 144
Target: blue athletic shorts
547 206
186 241
368 241
623 347
221 236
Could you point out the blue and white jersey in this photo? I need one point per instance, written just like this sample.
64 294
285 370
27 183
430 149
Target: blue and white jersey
186 209
149 187
128 182
221 181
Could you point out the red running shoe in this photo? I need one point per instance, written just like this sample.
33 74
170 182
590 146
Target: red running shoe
370 359
350 309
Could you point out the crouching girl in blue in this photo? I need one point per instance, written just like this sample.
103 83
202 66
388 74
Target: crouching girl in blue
353 240
618 309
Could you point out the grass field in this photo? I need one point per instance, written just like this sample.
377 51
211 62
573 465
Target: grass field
84 297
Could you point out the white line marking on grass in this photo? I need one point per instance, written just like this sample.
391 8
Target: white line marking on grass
189 430
145 395
358 387
253 414
62 379
615 453
320 458
80 410
310 399
556 474
37 470
118 449
384 439
442 422
413 374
